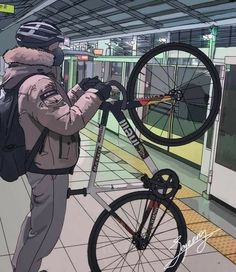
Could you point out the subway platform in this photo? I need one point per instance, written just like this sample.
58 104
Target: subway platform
120 165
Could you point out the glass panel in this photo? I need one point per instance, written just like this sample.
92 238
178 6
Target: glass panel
226 146
66 74
210 130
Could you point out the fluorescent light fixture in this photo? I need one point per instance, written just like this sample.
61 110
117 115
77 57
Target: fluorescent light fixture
67 41
163 40
132 42
207 37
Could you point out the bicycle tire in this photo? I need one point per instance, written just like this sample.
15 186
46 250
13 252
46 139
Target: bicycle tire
216 92
127 199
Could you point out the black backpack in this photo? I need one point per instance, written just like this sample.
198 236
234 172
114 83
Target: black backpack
13 159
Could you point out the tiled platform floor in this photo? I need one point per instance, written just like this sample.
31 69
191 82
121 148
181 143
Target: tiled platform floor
70 253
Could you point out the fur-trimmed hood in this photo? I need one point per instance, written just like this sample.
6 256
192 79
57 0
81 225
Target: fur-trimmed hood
28 56
24 62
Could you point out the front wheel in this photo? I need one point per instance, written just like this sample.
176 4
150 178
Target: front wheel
119 240
186 75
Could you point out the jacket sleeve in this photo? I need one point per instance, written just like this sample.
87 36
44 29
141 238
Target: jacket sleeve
45 105
75 93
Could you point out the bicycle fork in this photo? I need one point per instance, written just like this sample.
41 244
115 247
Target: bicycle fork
139 240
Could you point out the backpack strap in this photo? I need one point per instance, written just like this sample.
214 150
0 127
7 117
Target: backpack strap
36 148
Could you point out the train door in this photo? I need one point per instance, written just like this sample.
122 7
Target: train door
113 71
126 71
209 136
66 74
98 70
81 70
223 184
192 152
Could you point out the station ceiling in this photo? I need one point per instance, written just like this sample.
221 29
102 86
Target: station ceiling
87 19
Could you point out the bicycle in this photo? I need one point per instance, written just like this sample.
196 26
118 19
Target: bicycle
136 231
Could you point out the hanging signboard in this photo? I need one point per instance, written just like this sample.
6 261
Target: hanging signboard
7 8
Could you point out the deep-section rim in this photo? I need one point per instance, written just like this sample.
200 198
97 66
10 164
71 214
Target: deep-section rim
216 88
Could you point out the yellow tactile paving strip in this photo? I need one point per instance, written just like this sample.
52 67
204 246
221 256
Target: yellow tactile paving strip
226 244
220 240
232 257
192 217
210 229
217 238
186 192
181 205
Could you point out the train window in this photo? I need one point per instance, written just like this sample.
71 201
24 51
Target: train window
225 154
116 69
66 74
128 70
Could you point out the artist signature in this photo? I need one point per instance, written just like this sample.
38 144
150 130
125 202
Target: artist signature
201 236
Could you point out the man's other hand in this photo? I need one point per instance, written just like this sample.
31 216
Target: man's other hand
104 91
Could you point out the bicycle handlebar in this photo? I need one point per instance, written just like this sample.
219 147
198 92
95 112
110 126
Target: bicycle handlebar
122 89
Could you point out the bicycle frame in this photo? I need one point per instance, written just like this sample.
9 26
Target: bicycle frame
115 107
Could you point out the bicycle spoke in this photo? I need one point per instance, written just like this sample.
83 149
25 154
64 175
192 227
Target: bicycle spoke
185 70
202 106
115 242
161 250
152 86
157 77
160 119
165 72
131 245
115 249
139 213
156 255
128 218
115 231
165 122
175 85
134 214
121 256
149 263
198 76
168 74
149 112
190 116
198 86
166 221
180 126
196 98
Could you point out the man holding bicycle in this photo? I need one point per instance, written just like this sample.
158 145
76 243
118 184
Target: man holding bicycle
42 102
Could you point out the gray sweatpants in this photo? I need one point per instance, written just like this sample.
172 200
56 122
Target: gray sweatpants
41 228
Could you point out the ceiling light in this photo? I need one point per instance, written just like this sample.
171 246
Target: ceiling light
207 37
132 42
163 40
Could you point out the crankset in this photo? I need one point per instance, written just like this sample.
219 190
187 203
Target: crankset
164 184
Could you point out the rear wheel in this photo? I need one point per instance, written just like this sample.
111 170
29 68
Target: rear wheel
187 75
112 247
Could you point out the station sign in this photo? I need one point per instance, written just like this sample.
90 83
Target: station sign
98 52
83 57
7 8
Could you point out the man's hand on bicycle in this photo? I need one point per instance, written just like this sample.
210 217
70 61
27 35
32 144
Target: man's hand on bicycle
89 82
103 89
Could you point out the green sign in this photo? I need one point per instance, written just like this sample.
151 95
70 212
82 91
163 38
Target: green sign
7 8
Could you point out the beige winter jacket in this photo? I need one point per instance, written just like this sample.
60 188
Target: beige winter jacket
42 103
